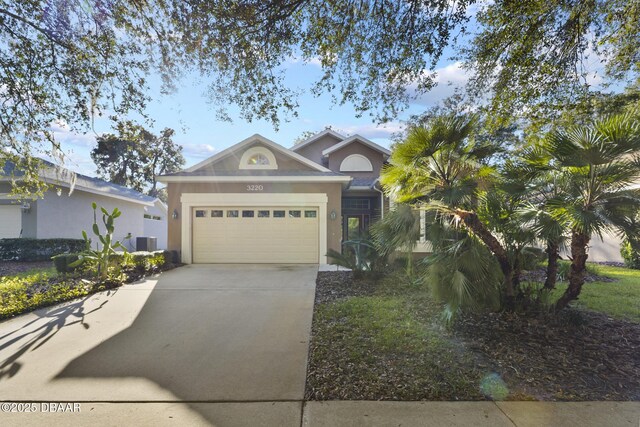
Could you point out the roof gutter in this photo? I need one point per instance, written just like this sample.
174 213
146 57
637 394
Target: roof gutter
377 181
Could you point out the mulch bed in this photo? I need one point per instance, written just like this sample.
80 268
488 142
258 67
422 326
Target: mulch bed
335 285
575 355
13 267
578 355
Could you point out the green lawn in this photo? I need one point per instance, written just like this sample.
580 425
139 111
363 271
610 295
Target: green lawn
620 299
391 343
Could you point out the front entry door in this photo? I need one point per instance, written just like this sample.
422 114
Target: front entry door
354 226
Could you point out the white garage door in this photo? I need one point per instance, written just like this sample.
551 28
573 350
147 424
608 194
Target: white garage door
10 221
255 234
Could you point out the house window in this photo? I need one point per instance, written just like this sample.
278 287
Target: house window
232 214
216 214
310 214
258 158
278 214
201 213
263 214
362 204
248 214
356 163
294 214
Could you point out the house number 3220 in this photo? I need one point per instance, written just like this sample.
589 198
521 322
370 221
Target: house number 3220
255 187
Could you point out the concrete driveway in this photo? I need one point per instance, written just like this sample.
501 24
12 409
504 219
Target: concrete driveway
200 333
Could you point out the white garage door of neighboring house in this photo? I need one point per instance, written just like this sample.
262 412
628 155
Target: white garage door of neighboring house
10 221
255 234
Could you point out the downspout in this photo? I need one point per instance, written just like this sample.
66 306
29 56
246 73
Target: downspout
377 181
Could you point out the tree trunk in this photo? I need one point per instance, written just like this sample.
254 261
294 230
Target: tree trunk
579 242
553 255
473 223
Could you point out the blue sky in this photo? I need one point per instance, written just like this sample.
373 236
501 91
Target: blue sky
202 135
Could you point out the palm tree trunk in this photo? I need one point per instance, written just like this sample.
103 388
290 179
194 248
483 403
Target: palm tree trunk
473 223
553 255
579 242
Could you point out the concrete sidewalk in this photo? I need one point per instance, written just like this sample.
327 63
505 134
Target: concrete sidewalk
343 413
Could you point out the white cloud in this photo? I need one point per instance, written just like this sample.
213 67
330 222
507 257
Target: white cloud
198 151
448 79
64 135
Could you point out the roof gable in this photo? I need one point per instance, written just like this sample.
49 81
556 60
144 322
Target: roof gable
316 137
257 139
360 139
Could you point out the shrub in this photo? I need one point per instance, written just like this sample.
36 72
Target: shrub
630 255
148 261
37 249
61 262
361 256
531 258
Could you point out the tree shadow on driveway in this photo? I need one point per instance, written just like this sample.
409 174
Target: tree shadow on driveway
55 319
210 343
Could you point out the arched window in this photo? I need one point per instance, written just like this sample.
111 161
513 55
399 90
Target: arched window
356 163
258 158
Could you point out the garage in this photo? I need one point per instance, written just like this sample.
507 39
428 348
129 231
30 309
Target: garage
10 221
255 234
255 203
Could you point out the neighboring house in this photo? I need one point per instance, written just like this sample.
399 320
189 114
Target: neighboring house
64 214
259 202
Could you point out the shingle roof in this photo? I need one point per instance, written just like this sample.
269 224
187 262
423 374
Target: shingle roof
245 172
61 176
363 182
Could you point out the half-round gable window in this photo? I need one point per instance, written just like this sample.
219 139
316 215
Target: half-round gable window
356 163
258 158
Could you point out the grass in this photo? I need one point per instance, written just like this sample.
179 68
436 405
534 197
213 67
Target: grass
619 299
389 344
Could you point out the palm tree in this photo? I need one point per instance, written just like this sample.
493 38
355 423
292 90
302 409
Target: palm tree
442 169
541 183
598 162
398 230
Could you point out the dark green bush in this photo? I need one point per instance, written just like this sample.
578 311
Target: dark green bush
630 255
531 257
62 261
37 249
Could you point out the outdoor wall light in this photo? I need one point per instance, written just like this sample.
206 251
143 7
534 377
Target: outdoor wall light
333 215
26 207
174 215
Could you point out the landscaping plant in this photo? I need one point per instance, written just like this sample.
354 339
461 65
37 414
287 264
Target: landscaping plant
572 185
106 247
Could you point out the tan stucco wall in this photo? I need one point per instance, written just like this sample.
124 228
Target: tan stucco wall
375 157
333 191
313 151
232 162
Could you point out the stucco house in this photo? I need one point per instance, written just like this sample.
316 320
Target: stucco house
62 213
259 202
